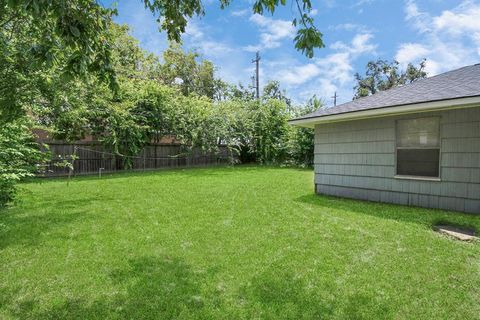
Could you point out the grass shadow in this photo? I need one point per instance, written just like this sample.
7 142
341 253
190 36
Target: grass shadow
418 215
283 294
163 288
26 229
148 288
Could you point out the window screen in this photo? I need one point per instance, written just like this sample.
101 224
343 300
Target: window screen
418 147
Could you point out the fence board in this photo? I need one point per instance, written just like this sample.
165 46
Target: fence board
93 157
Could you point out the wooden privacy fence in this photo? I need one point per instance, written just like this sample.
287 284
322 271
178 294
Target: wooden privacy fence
93 158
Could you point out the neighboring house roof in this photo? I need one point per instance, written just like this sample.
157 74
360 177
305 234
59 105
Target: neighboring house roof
455 84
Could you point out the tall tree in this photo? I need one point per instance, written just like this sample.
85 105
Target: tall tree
184 69
72 37
382 75
272 90
43 38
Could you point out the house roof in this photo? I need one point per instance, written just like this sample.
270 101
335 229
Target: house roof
455 84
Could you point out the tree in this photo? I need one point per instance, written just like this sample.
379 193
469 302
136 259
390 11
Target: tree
41 38
270 131
301 140
272 90
79 25
183 69
382 75
72 37
156 110
129 60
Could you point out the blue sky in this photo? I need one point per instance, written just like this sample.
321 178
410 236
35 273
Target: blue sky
445 32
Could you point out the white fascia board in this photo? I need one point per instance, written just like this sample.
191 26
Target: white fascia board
390 111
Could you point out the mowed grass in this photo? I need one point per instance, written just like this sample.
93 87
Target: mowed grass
227 243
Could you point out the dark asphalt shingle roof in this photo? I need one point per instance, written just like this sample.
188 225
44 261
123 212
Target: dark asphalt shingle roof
459 83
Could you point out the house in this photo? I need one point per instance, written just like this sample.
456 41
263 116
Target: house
417 144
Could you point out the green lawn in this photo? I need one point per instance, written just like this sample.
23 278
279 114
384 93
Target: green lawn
227 243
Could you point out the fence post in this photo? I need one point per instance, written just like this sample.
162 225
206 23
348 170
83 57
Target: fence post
72 165
144 156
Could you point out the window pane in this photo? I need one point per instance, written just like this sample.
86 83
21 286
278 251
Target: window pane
418 162
421 133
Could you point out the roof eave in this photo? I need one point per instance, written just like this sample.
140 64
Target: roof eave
389 111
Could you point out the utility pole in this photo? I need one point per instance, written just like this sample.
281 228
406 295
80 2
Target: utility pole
257 80
335 99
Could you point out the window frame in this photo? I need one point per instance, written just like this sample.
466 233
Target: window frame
415 177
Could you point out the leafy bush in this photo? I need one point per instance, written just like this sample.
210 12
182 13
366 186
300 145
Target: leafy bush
301 147
19 158
301 141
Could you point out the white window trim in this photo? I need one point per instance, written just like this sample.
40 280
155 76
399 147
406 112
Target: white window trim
421 178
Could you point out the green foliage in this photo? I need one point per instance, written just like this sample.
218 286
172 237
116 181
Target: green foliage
272 90
149 106
173 16
129 60
37 36
74 39
236 126
382 75
183 69
19 157
308 36
155 110
120 132
270 131
195 124
301 140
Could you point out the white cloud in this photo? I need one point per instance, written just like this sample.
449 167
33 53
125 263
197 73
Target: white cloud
273 31
360 44
325 75
299 75
415 17
337 67
313 12
350 27
329 3
240 13
200 40
411 52
465 18
449 40
360 3
193 30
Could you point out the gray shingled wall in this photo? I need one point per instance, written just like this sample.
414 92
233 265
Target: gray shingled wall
356 159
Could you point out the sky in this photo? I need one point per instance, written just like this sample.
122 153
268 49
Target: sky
445 32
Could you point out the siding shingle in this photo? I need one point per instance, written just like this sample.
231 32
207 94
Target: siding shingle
357 159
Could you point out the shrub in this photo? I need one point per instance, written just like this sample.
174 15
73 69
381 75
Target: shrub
19 158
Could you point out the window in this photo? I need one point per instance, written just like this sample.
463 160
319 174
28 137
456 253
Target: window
418 147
